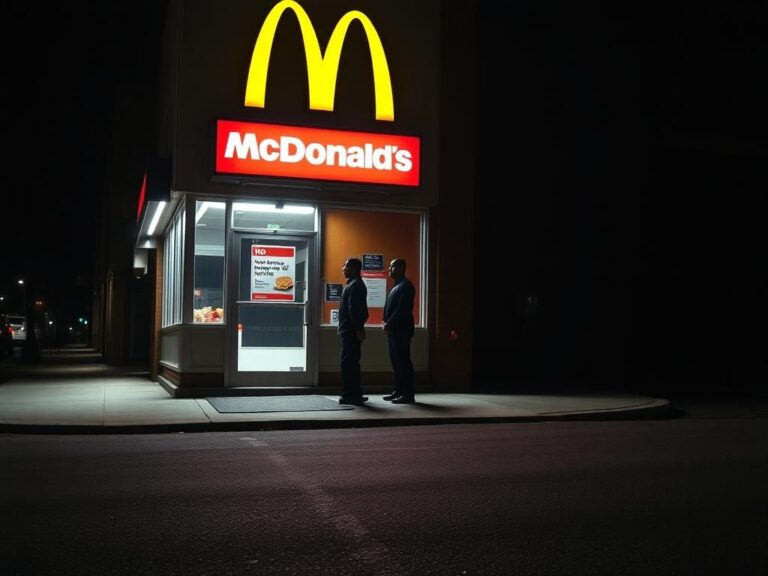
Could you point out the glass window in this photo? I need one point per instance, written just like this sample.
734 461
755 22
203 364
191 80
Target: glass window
208 296
173 271
274 217
376 238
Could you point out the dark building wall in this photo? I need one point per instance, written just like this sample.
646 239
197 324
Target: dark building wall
626 157
132 147
453 239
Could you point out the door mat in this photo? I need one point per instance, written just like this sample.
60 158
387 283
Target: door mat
298 403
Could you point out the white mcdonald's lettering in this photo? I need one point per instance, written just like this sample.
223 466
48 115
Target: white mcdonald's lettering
290 150
317 153
322 69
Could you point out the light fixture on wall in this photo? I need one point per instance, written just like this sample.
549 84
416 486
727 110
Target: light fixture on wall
154 197
153 210
156 218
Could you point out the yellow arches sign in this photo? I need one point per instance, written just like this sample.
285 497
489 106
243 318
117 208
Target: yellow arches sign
322 69
283 151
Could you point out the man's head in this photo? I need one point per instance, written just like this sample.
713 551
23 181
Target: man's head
352 267
397 269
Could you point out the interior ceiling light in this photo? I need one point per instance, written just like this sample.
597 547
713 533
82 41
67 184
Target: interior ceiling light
266 207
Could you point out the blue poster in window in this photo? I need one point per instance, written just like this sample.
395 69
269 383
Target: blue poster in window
333 292
373 261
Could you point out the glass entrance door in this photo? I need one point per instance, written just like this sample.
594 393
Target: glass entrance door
274 340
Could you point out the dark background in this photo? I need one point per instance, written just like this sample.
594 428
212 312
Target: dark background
623 193
64 66
621 169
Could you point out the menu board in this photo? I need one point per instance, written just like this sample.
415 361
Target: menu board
373 261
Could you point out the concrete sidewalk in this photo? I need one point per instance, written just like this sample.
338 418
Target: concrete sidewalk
85 396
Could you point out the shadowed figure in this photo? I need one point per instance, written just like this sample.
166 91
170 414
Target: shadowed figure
353 313
398 324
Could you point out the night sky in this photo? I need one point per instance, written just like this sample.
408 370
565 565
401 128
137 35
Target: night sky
61 68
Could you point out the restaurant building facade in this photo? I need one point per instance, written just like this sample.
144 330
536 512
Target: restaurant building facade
293 136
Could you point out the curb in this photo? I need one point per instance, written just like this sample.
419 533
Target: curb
658 410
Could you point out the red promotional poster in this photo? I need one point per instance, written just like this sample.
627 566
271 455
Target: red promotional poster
273 272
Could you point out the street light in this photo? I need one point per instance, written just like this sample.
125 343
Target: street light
31 349
23 296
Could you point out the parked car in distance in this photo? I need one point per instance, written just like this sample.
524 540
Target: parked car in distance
6 337
19 324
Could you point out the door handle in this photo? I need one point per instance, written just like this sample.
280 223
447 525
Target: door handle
307 314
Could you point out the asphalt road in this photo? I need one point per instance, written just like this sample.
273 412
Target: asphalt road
640 497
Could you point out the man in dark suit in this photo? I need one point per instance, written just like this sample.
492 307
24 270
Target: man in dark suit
353 313
398 324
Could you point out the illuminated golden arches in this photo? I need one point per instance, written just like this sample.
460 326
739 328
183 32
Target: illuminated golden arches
321 69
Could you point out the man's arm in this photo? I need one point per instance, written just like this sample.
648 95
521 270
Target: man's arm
358 305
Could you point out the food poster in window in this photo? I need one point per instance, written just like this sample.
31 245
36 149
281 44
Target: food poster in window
273 272
376 282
